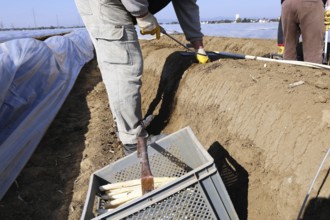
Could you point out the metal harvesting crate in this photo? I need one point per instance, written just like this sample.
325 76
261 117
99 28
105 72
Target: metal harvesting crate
197 193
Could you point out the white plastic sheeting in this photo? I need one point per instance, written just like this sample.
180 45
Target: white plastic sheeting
35 79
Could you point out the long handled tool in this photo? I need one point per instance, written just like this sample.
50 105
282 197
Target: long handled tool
189 49
147 179
251 57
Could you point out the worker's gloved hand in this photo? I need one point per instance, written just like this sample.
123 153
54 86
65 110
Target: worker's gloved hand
280 49
327 18
148 25
202 56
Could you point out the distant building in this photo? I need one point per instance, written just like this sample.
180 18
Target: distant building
264 20
237 17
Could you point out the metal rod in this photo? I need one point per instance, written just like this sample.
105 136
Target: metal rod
164 32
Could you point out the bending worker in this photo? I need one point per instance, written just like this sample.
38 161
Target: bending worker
111 27
305 17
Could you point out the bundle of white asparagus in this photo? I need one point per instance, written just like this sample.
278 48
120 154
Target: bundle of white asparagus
116 194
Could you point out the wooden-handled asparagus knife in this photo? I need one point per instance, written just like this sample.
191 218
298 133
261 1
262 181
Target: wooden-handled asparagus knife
147 179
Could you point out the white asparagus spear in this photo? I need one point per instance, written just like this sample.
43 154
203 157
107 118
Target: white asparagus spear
115 196
119 193
129 183
122 190
120 201
136 182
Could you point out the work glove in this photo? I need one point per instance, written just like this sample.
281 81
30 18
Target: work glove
202 56
280 49
327 18
149 25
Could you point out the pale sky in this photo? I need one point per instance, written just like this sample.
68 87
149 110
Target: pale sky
31 13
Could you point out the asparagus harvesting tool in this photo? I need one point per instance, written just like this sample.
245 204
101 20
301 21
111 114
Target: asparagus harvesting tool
147 179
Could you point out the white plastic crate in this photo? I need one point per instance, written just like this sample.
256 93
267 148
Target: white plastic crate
197 193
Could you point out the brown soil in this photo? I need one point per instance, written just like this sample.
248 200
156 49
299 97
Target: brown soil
273 135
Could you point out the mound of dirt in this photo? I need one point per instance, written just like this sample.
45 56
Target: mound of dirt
273 136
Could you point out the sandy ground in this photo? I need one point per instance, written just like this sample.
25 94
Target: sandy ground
242 111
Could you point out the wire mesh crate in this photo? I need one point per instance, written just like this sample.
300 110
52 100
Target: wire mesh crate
197 193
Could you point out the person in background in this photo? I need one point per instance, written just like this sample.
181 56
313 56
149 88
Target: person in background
327 26
280 40
308 17
111 25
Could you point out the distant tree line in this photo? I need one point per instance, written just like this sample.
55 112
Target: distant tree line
35 28
250 20
239 20
219 21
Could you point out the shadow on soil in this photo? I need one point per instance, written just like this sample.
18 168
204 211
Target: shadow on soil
44 188
174 67
234 177
318 208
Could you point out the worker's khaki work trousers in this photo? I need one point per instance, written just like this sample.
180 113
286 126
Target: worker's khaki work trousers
305 17
120 60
